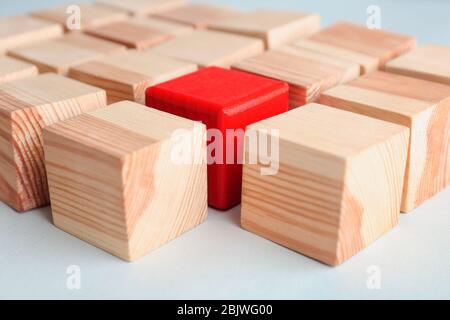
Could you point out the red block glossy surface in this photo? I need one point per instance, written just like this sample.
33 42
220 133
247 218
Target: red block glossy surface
222 99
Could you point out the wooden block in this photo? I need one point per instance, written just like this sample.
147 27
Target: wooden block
430 62
26 107
368 43
199 15
60 54
13 69
367 63
24 30
114 184
210 48
223 100
125 76
91 15
142 7
139 33
422 106
307 73
274 27
338 186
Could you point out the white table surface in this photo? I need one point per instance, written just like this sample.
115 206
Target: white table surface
219 260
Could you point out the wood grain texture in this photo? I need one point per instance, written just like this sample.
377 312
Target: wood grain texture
274 27
371 43
338 187
91 15
139 33
429 62
26 107
13 69
199 15
60 54
307 73
125 76
210 48
113 183
142 7
422 106
23 30
367 63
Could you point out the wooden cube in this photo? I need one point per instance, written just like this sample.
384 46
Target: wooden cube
422 106
13 69
125 76
26 107
24 30
139 33
274 27
142 7
114 184
307 73
91 15
370 48
199 15
224 100
211 48
60 54
338 186
430 62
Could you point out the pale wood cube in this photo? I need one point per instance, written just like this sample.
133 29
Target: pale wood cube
210 48
422 106
114 184
26 107
139 32
23 30
199 15
13 69
338 186
91 15
142 7
371 48
308 73
274 27
430 62
60 55
126 76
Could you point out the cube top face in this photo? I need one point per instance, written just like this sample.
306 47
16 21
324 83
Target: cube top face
13 69
313 124
91 15
308 73
402 96
216 90
42 91
142 7
338 185
122 191
92 43
383 45
274 27
124 123
199 15
22 30
54 56
138 33
428 62
125 76
197 48
368 63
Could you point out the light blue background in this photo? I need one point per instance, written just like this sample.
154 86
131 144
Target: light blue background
219 259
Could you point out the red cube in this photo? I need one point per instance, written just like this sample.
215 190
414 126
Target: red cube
222 99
